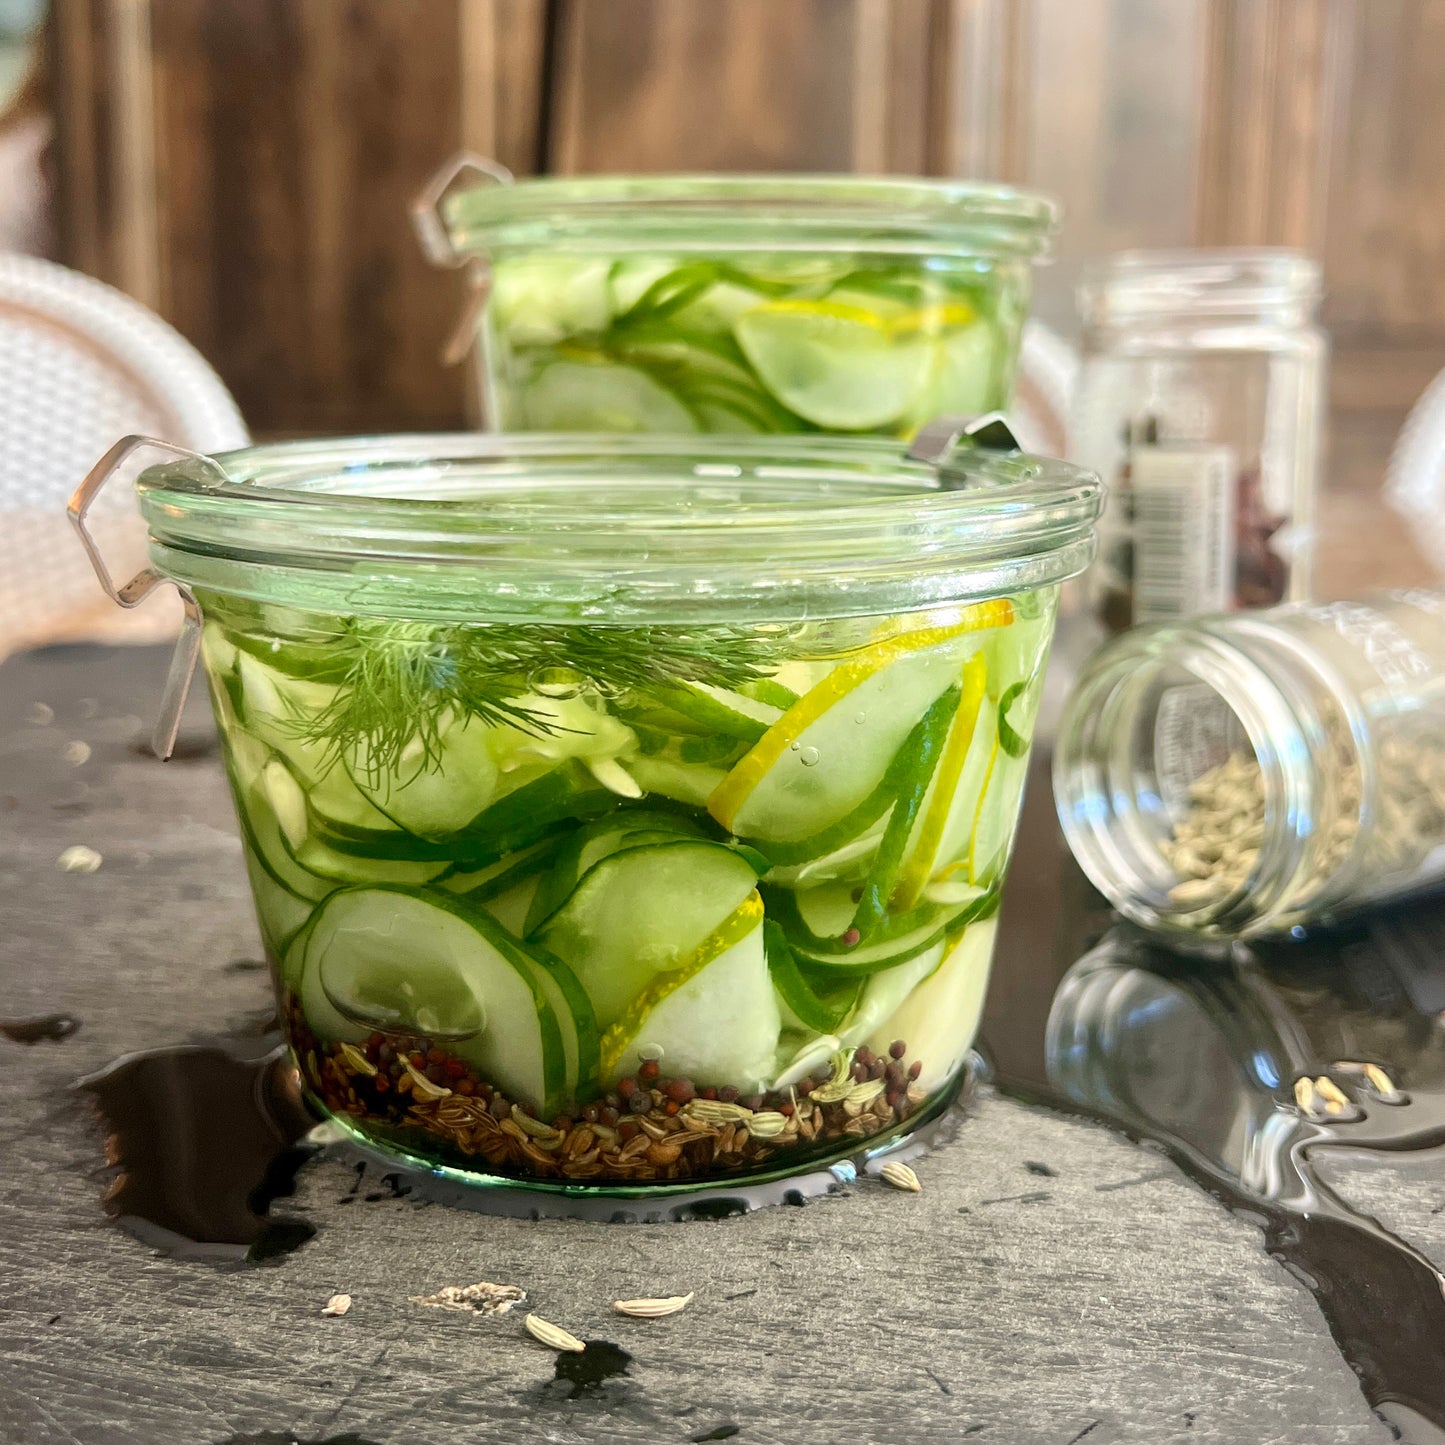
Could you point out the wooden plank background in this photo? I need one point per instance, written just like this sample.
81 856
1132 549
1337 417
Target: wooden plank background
245 165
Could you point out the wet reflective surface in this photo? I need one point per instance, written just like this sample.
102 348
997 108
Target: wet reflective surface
51 1028
203 1140
1248 1066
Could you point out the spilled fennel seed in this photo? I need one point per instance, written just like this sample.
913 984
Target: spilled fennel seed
900 1176
653 1309
482 1298
337 1305
553 1336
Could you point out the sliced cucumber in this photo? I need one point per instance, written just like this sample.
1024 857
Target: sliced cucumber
267 840
939 1018
829 753
692 783
438 787
280 913
996 819
539 300
819 1008
884 992
400 960
509 907
275 709
498 877
909 775
572 396
591 843
714 1019
643 912
838 366
719 710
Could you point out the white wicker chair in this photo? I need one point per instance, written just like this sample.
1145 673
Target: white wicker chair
80 365
1415 484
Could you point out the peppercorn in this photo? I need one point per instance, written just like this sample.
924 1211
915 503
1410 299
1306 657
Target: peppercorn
591 1113
499 1108
672 1106
627 1129
649 1070
466 1086
864 1056
709 1093
680 1091
381 1083
915 1069
435 1056
562 1124
877 1069
727 1094
753 1102
804 1087
625 1088
613 1100
418 1061
640 1102
607 1115
859 1072
786 1110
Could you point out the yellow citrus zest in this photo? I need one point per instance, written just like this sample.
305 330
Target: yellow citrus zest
746 917
730 794
915 872
939 317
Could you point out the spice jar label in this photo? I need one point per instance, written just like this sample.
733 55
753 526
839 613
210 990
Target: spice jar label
1183 530
1195 731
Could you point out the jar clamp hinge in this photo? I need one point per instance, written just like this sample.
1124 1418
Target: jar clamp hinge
132 593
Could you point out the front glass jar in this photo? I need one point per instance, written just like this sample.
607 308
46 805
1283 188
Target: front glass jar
624 815
1246 774
1200 403
742 304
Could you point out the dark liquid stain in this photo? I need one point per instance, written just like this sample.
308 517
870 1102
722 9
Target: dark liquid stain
203 1141
50 1029
588 1370
1199 1056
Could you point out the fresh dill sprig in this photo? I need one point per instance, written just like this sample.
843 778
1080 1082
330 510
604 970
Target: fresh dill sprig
403 681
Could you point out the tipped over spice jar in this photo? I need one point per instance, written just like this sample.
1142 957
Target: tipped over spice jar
1247 774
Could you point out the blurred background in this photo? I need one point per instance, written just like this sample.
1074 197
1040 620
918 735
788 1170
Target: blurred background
244 167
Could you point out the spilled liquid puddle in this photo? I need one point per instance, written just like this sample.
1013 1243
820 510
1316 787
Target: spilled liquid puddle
1201 1056
203 1141
585 1373
283 1437
52 1028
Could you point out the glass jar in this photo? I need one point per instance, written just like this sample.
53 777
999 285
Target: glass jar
624 814
737 304
1200 403
1247 774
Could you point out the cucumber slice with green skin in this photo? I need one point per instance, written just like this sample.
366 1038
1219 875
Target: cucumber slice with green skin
643 912
482 883
713 1018
573 396
402 960
516 820
884 992
809 920
593 842
849 863
541 300
267 838
837 366
770 691
938 1020
912 769
280 913
692 783
717 710
828 754
819 1009
275 709
998 814
435 790
509 907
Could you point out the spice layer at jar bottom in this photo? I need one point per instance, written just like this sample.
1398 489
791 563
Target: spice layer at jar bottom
628 906
750 343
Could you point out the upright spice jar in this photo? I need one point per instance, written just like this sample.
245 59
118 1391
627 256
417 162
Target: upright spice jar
1199 404
1247 773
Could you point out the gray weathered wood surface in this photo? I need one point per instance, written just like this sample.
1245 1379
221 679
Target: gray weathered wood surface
1111 1302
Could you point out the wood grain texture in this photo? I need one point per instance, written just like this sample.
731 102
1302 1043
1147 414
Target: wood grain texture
247 167
1110 1300
731 85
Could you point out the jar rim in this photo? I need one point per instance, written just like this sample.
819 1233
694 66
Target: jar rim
546 525
1222 281
751 212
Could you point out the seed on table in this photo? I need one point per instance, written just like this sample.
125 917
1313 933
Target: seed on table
553 1336
900 1176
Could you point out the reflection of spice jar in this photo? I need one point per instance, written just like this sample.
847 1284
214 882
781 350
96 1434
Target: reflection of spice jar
1245 774
1200 404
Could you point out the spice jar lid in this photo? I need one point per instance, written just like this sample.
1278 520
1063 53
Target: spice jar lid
662 528
767 213
1228 282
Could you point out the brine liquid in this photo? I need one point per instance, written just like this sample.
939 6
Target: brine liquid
614 907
